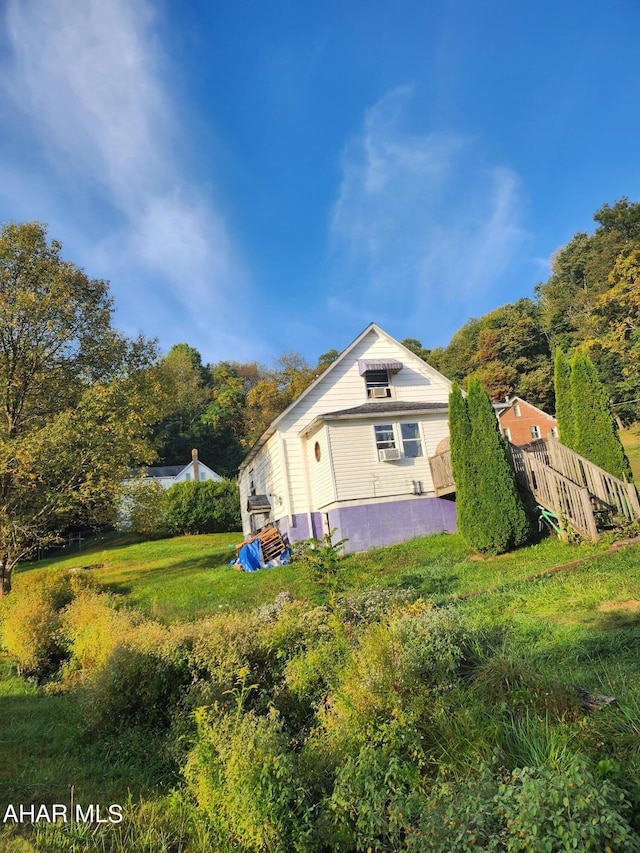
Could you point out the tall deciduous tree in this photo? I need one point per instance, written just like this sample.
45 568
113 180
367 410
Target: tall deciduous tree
76 400
596 435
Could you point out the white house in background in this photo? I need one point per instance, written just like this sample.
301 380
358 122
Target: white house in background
352 452
168 475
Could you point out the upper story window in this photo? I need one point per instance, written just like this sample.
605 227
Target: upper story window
507 433
516 410
377 383
554 432
411 443
535 431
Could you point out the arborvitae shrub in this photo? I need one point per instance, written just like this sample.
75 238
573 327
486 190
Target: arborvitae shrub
595 432
491 516
564 398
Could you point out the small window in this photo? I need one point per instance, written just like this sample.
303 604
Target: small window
377 383
411 443
385 439
317 452
554 432
535 431
516 410
507 433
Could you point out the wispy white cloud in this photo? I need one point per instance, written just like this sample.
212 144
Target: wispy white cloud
423 219
87 83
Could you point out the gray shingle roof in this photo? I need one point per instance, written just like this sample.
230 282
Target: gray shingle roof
165 470
390 407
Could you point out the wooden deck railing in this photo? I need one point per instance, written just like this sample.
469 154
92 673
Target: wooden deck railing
569 501
578 491
621 497
441 473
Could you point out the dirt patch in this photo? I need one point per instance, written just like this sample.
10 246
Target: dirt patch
629 604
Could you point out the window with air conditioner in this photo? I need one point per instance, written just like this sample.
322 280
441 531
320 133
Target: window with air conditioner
377 384
411 443
386 442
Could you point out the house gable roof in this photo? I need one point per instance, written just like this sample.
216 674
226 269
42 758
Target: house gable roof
501 408
414 359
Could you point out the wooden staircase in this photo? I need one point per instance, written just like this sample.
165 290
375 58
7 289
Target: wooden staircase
582 495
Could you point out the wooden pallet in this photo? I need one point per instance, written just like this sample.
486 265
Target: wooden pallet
271 543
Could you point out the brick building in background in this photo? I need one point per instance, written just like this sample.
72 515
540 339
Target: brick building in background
522 422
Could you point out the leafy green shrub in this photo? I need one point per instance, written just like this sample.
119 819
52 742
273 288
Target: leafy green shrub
322 556
371 605
32 621
400 666
378 792
135 686
93 627
145 509
245 776
208 506
535 809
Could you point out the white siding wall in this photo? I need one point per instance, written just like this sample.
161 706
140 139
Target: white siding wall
358 472
267 475
322 491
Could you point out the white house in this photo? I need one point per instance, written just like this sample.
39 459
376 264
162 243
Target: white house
168 475
352 452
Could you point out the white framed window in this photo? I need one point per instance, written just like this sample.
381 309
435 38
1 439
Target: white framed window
535 431
554 432
385 437
377 384
516 410
411 441
507 433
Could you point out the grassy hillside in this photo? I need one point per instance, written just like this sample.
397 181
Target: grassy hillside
537 637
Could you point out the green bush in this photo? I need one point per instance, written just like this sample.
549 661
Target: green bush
209 506
31 622
533 809
245 776
145 509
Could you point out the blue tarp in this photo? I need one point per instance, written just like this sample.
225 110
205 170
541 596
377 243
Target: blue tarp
250 557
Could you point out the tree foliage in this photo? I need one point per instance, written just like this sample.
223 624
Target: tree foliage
564 398
490 513
208 506
595 432
77 397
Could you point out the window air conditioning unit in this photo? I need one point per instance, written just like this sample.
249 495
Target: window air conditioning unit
379 392
389 454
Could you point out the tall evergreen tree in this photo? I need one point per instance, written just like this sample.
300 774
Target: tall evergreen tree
596 434
462 462
564 398
501 523
490 514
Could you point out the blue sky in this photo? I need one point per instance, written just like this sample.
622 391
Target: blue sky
254 177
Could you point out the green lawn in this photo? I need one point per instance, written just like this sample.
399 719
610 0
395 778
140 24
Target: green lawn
188 577
631 441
